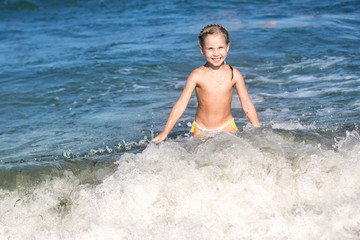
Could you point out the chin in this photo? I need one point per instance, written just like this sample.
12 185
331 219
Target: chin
217 64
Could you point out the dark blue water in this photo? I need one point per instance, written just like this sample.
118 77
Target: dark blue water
85 85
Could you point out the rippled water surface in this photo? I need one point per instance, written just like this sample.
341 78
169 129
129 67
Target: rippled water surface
85 85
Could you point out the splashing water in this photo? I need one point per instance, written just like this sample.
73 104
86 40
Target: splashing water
226 187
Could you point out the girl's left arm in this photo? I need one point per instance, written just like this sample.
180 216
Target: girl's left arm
245 100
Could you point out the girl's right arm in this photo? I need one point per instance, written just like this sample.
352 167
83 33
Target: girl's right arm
178 108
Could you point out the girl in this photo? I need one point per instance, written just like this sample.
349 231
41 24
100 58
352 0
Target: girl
214 83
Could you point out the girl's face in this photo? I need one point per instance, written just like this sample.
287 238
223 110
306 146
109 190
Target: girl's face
215 49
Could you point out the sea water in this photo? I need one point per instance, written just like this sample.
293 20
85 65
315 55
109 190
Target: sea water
86 85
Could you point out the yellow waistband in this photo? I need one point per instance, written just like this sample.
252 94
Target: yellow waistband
195 125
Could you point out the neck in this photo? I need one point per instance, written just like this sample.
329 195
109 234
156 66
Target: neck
207 65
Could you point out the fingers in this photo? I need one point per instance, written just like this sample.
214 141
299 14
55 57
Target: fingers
257 125
158 139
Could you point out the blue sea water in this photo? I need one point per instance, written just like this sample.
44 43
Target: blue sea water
86 85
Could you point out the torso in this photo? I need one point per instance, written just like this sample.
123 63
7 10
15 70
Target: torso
214 92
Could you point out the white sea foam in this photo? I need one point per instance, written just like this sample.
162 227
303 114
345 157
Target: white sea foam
321 64
227 187
357 104
292 126
137 87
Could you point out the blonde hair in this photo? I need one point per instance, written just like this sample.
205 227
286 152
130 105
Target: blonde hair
213 29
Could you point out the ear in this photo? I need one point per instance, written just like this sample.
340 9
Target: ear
228 47
201 50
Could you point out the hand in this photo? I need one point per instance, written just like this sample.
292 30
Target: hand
257 124
159 138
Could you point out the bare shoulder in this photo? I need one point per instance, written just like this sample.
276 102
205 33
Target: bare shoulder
196 75
198 72
237 75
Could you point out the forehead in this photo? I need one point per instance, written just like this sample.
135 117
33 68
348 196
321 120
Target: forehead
215 39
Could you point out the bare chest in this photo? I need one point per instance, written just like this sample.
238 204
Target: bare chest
215 86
